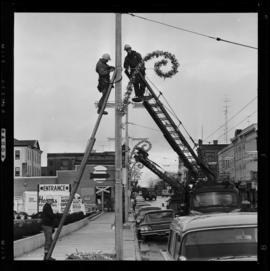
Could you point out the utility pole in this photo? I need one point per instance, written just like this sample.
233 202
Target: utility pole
118 142
126 181
226 119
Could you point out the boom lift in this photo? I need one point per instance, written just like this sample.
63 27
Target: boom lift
197 197
200 177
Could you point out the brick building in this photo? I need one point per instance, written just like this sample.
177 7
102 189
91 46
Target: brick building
209 154
66 166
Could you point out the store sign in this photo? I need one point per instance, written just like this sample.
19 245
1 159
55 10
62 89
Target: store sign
56 192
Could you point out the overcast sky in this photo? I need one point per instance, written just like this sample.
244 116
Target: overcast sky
56 83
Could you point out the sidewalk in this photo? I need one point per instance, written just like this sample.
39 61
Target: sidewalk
97 235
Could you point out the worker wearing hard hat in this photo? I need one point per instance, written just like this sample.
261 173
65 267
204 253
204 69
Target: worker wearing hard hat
103 70
132 59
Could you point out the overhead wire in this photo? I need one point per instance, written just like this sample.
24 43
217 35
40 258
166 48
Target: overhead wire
239 123
146 127
193 32
170 109
237 113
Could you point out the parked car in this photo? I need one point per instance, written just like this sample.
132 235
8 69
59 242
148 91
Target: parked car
139 205
155 223
213 237
143 210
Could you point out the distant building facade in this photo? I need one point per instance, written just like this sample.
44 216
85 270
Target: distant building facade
239 161
209 154
27 158
97 185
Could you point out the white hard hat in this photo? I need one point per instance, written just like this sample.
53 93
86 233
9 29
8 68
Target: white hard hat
127 46
106 56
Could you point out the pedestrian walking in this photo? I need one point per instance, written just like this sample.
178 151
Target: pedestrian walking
132 59
48 223
103 70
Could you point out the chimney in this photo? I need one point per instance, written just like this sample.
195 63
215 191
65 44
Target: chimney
200 142
215 142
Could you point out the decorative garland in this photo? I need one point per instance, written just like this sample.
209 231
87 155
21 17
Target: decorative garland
123 107
164 62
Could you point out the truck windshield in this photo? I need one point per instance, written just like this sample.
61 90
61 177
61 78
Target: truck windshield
210 199
219 243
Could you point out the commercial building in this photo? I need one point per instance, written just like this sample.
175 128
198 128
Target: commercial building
239 162
27 158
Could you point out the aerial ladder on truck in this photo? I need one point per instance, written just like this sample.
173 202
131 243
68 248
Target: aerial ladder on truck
199 174
193 198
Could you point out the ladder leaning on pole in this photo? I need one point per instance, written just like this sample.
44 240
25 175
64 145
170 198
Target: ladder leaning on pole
76 183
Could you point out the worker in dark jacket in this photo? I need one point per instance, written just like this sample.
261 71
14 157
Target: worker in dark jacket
103 70
48 223
132 59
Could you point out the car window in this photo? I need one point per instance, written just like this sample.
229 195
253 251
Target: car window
220 243
159 216
214 199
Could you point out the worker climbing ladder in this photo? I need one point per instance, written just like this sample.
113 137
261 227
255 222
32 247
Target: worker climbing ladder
88 151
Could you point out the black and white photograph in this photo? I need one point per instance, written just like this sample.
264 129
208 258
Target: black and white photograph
135 136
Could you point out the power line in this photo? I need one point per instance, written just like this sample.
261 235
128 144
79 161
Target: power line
239 123
172 111
193 32
237 113
146 127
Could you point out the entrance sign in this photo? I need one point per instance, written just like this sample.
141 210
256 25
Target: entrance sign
56 192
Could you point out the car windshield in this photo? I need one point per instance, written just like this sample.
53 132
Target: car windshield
211 199
158 216
218 243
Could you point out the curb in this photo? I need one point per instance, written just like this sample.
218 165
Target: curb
136 243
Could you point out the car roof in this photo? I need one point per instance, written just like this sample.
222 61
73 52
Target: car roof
186 223
143 204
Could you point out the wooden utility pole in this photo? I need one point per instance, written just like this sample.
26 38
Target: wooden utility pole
126 186
118 142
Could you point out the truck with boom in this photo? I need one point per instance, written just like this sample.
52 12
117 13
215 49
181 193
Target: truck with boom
202 191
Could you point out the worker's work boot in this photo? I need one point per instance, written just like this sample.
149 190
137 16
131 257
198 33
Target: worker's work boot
104 112
146 98
136 99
